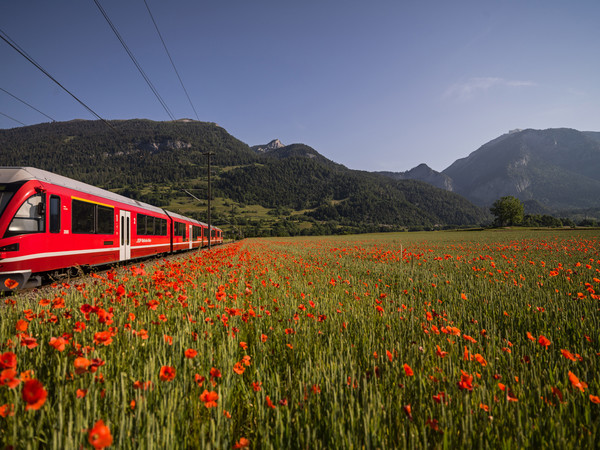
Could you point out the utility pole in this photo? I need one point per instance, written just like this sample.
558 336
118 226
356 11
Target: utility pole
208 155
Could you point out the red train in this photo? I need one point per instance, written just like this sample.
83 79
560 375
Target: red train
49 223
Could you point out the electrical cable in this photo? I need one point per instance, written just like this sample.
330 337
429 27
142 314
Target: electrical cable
22 52
171 59
25 103
148 82
12 118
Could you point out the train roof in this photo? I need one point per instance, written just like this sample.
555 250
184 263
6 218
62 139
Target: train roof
15 174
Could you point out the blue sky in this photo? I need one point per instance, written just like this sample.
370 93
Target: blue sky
373 85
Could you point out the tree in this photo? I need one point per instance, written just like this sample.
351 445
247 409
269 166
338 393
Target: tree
508 211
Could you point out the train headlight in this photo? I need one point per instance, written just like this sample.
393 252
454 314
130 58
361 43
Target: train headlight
10 248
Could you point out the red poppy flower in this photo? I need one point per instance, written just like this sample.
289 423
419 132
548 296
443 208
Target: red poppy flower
480 359
242 443
199 379
576 382
544 341
8 377
433 424
215 373
28 341
8 360
440 397
594 399
34 394
466 381
558 394
530 336
58 343
142 385
190 353
103 337
81 365
11 284
81 393
167 373
209 398
440 352
99 436
407 369
22 325
269 402
239 368
469 338
7 410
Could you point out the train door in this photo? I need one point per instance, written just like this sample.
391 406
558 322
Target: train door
125 242
191 236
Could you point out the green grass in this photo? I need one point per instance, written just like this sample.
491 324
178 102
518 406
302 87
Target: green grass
328 325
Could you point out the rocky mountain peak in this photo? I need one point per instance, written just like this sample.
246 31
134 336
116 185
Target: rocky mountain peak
273 145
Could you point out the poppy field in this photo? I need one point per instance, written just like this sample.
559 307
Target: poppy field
400 340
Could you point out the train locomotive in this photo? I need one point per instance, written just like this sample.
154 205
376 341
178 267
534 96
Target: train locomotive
50 224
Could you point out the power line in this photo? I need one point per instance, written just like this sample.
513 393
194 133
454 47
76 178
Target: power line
148 82
171 59
25 103
23 53
12 118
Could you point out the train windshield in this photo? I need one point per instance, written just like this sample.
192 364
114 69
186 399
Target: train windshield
7 190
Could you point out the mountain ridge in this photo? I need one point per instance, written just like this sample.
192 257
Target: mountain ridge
294 188
558 169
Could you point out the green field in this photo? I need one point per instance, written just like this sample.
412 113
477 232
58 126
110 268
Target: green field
403 340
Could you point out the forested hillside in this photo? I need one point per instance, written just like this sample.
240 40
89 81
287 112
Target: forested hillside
287 190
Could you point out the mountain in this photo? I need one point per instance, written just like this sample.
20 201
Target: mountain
554 171
273 145
558 168
271 189
423 173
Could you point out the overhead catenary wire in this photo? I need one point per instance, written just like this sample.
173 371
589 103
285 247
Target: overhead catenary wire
12 118
25 103
6 38
171 59
137 64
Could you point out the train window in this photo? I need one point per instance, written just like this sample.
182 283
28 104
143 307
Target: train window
141 224
30 218
197 233
6 193
180 229
83 217
105 220
54 214
149 225
161 227
91 218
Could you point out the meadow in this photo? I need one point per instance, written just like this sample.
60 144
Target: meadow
481 339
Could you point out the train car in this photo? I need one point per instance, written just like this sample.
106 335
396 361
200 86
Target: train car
187 233
49 223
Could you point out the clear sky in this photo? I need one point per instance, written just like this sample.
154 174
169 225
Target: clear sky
372 84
